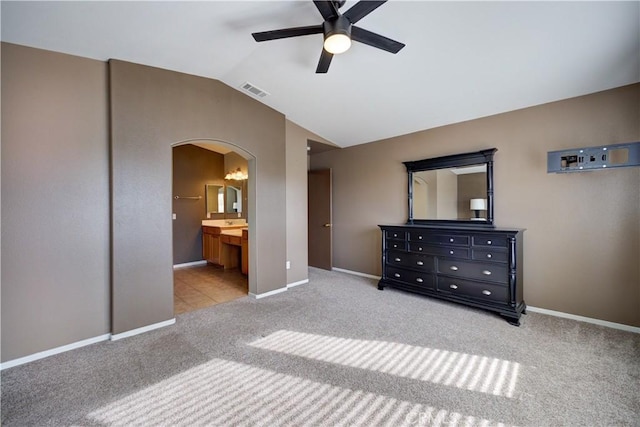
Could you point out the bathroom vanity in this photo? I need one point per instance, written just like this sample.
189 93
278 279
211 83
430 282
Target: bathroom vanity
226 244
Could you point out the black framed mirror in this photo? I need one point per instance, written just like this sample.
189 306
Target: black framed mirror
456 189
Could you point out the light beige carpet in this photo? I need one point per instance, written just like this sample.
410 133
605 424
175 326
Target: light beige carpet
338 352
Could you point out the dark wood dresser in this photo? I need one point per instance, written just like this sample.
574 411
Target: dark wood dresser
475 266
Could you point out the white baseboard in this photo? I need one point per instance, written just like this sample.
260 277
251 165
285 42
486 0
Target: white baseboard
190 264
298 283
278 291
137 331
356 273
268 294
599 322
57 350
605 323
83 343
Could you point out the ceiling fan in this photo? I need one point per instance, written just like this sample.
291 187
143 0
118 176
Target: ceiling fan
338 29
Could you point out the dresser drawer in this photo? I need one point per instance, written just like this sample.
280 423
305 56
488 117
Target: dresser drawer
473 270
395 235
489 240
495 255
396 244
415 261
444 239
414 278
479 291
451 251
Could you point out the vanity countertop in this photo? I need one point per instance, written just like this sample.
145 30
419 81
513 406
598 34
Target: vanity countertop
223 224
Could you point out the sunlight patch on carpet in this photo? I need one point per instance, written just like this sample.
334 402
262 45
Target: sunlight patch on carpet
222 392
466 371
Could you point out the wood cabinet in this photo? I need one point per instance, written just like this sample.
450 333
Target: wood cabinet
211 244
229 249
245 252
479 267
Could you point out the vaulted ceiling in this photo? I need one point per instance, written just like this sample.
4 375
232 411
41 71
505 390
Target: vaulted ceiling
462 60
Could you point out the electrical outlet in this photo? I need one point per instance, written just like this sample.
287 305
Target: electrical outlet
288 265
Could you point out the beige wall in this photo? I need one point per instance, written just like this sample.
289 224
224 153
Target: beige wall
56 278
55 200
582 244
151 109
297 240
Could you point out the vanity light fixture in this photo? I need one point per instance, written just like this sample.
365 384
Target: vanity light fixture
478 205
237 175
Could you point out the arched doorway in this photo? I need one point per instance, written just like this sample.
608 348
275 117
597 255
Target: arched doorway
211 213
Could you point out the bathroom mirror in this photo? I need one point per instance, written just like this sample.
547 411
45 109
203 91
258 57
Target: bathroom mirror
214 195
234 198
452 189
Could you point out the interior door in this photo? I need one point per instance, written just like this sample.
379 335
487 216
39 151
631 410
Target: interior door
320 244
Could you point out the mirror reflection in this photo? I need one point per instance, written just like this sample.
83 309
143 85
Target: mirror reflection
452 189
457 193
214 195
234 198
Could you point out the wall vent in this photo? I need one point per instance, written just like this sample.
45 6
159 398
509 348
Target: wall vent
254 90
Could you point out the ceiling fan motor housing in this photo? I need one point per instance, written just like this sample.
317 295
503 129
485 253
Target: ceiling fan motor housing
340 25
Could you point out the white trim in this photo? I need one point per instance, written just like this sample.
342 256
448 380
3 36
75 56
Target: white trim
298 283
355 273
267 294
116 337
605 323
57 350
608 324
190 264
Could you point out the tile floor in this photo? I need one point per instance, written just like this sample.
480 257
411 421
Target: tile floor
203 286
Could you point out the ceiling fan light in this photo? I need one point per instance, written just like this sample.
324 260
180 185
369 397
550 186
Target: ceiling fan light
337 35
337 43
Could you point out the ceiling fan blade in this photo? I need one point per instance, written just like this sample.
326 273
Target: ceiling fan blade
327 9
325 61
375 40
362 9
287 32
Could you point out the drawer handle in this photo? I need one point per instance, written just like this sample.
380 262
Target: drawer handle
419 237
419 280
395 235
420 263
450 252
398 260
397 275
486 272
453 286
486 292
420 249
488 255
395 245
454 268
451 240
488 242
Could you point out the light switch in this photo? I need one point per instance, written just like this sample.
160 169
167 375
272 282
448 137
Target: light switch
174 216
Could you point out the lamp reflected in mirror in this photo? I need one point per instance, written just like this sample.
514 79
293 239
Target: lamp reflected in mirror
478 205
